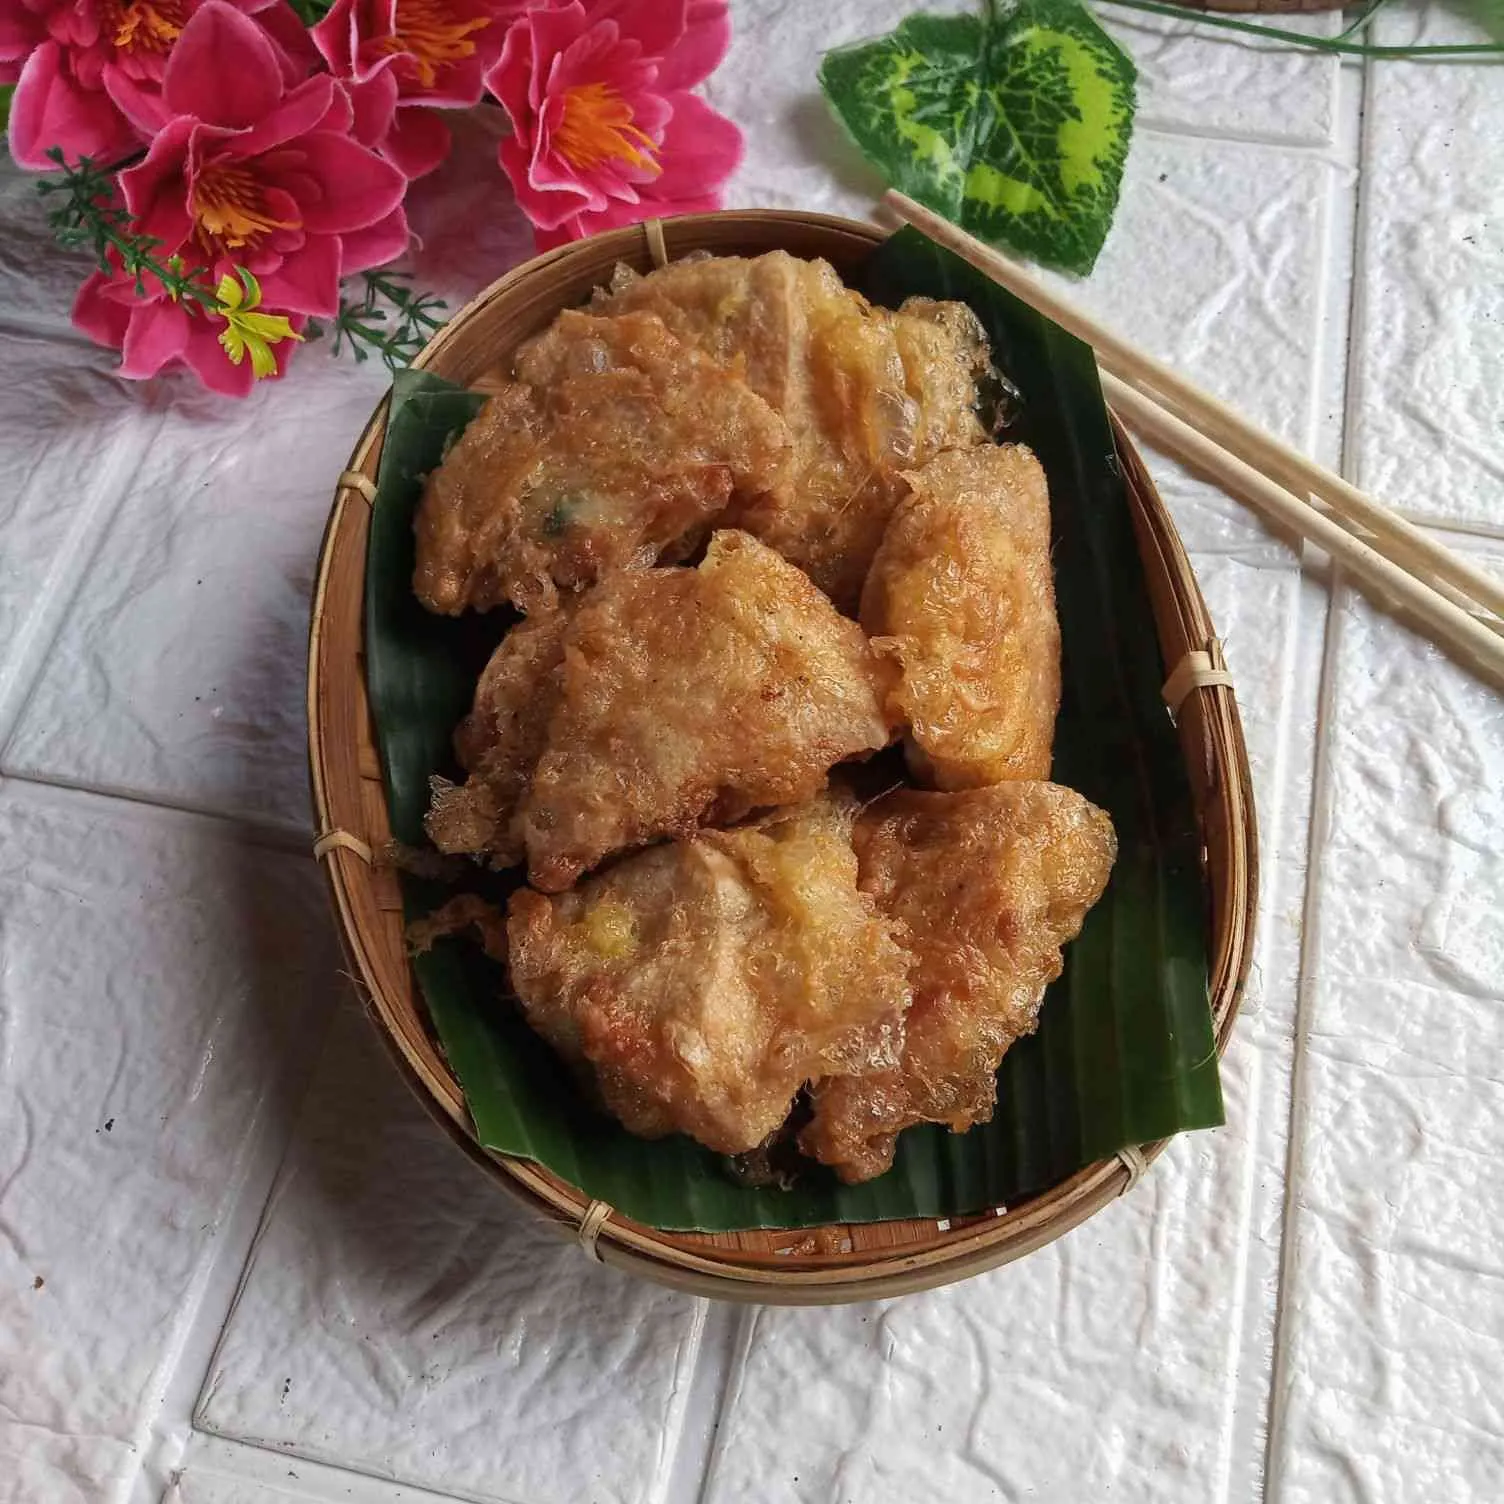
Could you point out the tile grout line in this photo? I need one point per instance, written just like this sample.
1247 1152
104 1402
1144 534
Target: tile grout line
66 576
1310 948
244 1460
1246 1414
725 1339
1245 1422
1304 986
281 839
1171 130
187 1365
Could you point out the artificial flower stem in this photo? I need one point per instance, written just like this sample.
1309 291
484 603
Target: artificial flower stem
86 219
1299 40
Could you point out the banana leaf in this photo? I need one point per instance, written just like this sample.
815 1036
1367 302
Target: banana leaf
1124 1053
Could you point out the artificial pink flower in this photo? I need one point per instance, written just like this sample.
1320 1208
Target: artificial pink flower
82 67
400 58
245 171
605 130
156 334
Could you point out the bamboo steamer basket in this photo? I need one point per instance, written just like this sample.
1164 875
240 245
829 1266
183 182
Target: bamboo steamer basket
795 1267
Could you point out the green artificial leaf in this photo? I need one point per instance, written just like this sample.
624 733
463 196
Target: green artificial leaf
7 91
1014 123
1124 1053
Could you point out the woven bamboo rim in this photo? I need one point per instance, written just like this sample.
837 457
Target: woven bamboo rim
805 1266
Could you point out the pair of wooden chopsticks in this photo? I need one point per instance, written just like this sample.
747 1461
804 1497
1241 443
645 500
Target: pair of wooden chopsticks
1405 568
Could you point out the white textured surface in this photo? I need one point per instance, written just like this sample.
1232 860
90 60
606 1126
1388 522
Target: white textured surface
1394 1318
1429 342
395 1334
1234 235
68 445
178 673
156 980
435 1333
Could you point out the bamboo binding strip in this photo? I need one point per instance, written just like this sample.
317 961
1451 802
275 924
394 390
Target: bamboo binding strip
864 1262
342 840
1197 670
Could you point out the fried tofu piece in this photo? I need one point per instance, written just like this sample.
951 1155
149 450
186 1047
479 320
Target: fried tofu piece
986 886
865 392
694 696
961 600
702 983
615 441
499 742
945 354
661 700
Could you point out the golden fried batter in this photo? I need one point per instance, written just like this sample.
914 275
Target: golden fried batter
499 742
690 696
945 353
865 392
986 886
961 599
615 441
703 982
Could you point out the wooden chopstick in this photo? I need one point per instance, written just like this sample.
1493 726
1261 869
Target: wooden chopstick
1471 640
1461 604
1213 417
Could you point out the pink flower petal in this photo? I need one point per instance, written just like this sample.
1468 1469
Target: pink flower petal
357 187
50 109
508 77
300 111
700 51
157 333
308 282
658 25
141 103
701 149
208 360
223 69
299 57
553 32
74 25
615 215
337 37
156 191
417 141
103 318
375 245
340 116
601 56
20 31
544 207
372 102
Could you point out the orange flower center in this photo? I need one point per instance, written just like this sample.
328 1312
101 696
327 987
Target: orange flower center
432 36
596 127
143 25
230 208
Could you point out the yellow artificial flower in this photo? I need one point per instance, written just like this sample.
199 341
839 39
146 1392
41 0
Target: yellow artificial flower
238 297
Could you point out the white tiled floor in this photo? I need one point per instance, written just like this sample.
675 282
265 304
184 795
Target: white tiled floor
1429 339
1303 1307
432 1333
159 979
1393 1315
223 730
